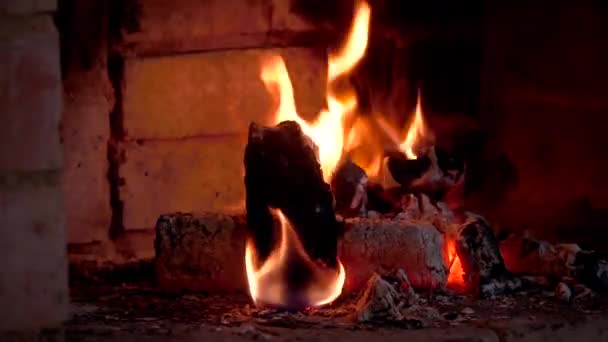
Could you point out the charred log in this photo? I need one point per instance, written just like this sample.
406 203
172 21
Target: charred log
592 270
383 200
484 269
282 171
433 173
349 186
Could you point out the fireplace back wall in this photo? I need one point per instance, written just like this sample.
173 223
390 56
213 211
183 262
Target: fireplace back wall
158 96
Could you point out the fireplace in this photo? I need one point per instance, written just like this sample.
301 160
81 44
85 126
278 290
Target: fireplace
288 169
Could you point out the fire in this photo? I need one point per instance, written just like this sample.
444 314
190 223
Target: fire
269 284
327 130
455 277
414 133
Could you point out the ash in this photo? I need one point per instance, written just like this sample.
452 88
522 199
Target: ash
386 306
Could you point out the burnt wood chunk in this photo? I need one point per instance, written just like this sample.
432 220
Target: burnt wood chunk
484 268
434 172
282 172
349 186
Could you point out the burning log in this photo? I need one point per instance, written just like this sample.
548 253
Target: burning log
432 173
349 186
206 252
282 171
484 269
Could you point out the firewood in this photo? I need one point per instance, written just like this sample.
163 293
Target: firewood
282 171
433 173
349 186
484 269
206 252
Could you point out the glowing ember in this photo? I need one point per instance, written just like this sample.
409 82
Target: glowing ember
455 278
269 284
415 132
327 130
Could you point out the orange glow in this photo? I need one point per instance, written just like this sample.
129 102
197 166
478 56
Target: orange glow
456 275
414 133
268 283
327 131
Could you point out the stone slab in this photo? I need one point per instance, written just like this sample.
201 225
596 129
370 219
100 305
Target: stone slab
214 93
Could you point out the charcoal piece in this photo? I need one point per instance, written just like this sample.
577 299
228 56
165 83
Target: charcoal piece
592 270
349 186
383 200
484 269
433 173
282 171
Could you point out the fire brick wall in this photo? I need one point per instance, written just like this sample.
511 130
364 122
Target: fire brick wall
545 82
159 96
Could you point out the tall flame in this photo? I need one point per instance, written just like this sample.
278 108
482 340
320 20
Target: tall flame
269 285
415 132
327 130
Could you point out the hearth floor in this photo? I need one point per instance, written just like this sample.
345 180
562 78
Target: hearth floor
104 313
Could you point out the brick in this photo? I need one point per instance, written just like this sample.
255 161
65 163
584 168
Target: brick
20 7
85 135
184 175
33 277
214 93
284 18
188 21
161 27
30 94
88 101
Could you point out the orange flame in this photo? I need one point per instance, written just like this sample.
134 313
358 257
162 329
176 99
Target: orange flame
456 275
415 132
268 284
327 130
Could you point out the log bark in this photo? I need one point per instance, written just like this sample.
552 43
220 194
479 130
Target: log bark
205 253
282 171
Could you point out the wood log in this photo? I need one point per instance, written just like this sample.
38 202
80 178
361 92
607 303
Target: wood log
485 273
433 173
282 171
349 186
205 253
